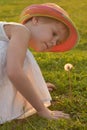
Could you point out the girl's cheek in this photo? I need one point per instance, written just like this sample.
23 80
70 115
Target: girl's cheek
47 36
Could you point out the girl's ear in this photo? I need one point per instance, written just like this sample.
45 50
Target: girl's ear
35 20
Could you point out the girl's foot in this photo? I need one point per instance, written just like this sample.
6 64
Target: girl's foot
50 86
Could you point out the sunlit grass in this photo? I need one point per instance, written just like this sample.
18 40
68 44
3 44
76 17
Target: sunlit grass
52 66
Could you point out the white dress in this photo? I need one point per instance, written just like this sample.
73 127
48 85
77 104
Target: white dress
12 103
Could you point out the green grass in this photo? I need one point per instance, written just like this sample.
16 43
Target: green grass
52 66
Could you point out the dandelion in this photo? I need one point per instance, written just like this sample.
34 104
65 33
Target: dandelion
68 67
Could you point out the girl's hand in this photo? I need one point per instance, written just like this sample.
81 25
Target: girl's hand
53 114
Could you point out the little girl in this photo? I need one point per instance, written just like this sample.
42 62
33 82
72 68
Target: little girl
23 90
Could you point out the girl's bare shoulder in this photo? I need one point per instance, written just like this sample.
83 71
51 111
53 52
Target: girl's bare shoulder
13 28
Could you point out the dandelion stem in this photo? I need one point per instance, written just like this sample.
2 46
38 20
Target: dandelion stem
70 86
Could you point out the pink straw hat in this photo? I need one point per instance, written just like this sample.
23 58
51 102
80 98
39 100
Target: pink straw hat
53 11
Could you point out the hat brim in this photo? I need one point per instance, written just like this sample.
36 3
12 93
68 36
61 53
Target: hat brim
42 10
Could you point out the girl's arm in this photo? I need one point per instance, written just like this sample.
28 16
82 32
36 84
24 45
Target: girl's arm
16 53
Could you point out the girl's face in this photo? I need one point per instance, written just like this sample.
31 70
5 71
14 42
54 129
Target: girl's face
47 35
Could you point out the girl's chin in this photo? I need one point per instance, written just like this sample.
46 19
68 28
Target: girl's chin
39 49
42 50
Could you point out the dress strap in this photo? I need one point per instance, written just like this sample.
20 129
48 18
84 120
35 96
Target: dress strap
3 35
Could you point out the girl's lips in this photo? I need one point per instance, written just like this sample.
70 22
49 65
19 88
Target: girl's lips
46 45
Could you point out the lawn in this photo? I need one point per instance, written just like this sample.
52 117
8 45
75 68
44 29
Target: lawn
52 66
